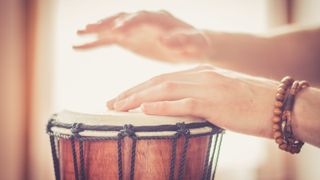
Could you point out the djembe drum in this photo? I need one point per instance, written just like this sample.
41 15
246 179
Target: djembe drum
132 146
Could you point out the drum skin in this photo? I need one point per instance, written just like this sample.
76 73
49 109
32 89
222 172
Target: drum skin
152 159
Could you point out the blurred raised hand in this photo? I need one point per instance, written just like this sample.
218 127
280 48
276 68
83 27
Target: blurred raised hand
156 35
161 36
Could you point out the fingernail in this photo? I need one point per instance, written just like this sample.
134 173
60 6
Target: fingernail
110 104
81 31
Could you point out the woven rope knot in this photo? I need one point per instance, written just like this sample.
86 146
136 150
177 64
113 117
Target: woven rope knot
50 125
182 129
127 130
76 128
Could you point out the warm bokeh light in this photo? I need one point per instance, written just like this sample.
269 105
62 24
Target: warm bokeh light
41 74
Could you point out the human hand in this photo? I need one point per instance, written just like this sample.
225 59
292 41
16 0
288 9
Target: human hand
156 35
227 99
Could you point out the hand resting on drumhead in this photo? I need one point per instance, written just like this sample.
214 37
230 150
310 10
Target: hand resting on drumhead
227 99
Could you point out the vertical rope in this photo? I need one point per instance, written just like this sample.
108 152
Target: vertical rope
209 173
205 168
119 157
74 156
133 157
173 156
82 171
183 157
54 157
217 151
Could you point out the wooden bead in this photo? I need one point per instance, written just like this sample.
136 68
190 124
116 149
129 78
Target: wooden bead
294 88
287 80
277 111
279 97
283 86
277 134
281 90
276 126
276 119
278 104
279 140
288 88
303 82
283 146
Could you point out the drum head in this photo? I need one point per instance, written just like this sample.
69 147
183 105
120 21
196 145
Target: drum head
111 118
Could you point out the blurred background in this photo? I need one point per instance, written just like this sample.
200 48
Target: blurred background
41 74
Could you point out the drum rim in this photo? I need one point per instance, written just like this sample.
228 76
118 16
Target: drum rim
55 126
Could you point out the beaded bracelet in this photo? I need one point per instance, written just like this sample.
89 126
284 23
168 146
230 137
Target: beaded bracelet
282 120
285 84
294 145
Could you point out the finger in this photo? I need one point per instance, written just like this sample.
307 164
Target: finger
182 107
142 17
97 43
181 75
86 31
162 92
102 24
92 28
162 11
110 103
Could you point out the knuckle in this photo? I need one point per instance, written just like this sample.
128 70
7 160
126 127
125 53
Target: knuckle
157 79
208 76
162 11
140 14
120 15
205 67
134 98
168 86
143 12
191 105
182 38
123 95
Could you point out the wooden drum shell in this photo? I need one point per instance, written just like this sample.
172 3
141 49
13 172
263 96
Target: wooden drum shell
152 159
103 146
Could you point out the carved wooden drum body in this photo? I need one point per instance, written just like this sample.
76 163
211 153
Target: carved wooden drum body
132 146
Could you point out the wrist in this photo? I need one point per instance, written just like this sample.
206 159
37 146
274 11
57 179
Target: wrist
304 121
261 94
264 93
210 50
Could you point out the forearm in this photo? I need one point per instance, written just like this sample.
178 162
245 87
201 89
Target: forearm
293 53
306 117
306 112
